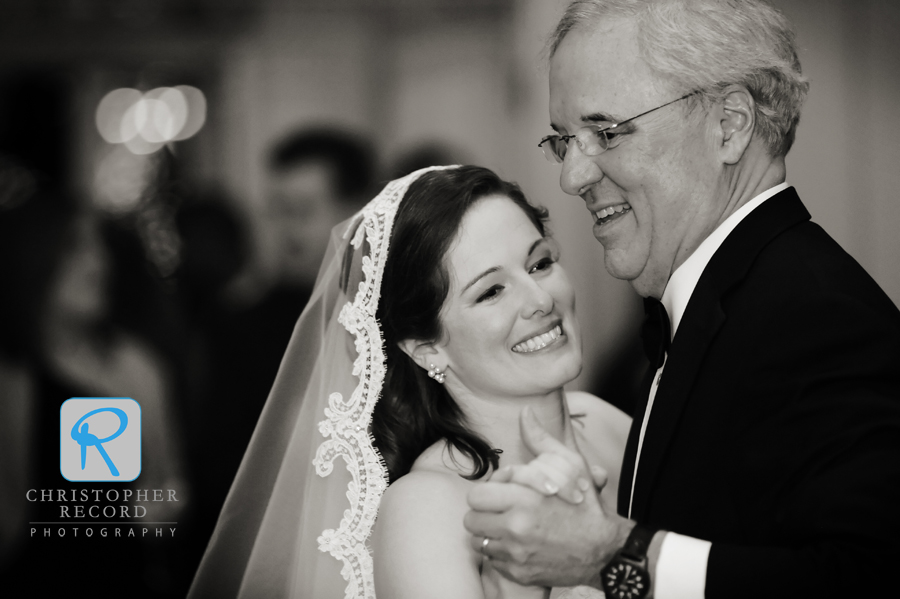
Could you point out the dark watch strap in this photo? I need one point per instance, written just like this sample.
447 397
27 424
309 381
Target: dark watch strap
626 576
638 542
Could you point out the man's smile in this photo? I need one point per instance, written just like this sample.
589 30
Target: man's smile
610 213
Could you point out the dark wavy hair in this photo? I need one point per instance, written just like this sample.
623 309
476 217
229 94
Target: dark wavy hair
415 411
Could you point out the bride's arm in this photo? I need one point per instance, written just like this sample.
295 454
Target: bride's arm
420 547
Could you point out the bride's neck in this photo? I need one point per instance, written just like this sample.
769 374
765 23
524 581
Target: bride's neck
498 423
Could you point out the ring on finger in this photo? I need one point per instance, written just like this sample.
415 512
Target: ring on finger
484 544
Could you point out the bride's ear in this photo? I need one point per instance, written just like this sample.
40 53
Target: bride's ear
423 353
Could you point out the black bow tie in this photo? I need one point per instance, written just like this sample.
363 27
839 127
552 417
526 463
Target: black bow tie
656 331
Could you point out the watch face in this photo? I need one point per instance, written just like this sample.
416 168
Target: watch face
622 580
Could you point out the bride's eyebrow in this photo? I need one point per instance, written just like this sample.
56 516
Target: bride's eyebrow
535 245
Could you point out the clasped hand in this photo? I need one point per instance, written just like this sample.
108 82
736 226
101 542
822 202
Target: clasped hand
543 520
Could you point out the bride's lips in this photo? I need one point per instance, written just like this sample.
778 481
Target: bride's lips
547 337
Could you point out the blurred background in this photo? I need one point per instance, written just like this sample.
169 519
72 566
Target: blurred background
167 168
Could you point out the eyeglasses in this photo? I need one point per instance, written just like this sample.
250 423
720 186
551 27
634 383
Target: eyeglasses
592 139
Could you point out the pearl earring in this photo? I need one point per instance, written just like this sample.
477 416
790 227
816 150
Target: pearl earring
436 373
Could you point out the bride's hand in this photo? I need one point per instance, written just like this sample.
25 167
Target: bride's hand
541 540
559 473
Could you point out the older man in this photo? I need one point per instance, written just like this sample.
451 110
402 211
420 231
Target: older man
764 458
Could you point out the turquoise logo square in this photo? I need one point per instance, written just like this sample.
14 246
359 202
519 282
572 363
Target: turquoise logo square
100 439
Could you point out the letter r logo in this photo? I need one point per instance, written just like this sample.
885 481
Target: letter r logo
100 439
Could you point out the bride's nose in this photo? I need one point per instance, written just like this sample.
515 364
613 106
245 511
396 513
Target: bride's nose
537 300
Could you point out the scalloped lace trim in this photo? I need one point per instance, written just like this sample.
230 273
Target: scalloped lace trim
346 423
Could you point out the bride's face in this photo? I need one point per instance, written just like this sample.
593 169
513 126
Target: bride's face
509 318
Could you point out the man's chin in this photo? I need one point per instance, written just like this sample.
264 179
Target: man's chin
638 276
618 265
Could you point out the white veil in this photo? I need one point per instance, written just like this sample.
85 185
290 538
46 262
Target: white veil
295 524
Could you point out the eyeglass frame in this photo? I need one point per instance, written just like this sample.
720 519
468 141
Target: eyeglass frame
604 146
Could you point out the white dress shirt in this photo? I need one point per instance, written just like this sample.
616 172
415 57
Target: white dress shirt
681 568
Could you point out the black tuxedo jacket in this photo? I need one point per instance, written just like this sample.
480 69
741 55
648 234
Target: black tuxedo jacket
775 432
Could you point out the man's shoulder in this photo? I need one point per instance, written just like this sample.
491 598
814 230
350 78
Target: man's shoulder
804 264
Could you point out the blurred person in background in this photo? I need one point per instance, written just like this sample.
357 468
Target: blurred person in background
57 341
318 178
425 154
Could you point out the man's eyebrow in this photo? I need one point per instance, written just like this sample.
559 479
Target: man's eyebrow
599 117
596 117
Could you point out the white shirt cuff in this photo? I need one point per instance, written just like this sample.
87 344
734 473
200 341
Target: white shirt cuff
681 568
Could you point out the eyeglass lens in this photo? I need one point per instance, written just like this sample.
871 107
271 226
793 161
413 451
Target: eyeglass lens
590 141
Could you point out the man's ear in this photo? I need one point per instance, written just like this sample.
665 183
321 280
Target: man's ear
736 114
423 353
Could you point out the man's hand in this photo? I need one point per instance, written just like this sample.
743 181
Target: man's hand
537 538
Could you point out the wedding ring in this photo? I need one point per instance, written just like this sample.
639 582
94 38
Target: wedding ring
484 544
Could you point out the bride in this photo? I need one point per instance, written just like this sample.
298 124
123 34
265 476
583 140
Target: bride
410 368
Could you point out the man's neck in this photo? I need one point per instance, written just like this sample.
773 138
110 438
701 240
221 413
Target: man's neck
738 185
745 183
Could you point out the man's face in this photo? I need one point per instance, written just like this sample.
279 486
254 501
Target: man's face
304 207
654 196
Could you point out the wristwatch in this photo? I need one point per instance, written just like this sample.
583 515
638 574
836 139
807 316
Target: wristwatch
626 575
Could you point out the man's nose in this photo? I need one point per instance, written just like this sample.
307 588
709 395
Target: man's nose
579 172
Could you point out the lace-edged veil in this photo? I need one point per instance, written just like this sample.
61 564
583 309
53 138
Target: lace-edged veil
296 520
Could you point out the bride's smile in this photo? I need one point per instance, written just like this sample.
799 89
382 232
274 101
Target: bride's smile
540 341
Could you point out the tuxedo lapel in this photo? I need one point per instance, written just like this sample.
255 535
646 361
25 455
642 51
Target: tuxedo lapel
703 318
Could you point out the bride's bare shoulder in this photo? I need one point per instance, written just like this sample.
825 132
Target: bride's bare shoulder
419 541
433 485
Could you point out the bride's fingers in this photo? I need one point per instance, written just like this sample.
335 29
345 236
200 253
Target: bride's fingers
571 480
548 474
493 497
600 476
534 476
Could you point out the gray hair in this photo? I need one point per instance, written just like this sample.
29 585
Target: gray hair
707 45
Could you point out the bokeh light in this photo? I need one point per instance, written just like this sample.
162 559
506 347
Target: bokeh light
146 122
195 111
111 113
